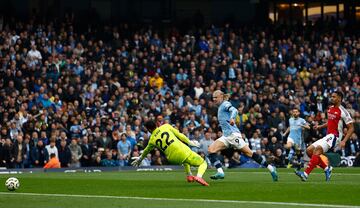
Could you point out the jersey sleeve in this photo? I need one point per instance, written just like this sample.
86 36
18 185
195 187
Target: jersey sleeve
179 135
228 107
148 148
345 115
303 122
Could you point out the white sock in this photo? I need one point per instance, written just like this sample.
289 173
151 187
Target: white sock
199 175
270 168
327 168
220 170
305 174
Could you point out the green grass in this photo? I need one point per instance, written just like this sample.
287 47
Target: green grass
239 185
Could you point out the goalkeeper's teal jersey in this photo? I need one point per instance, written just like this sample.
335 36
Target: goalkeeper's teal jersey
167 139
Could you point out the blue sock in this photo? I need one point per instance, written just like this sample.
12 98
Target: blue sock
214 160
291 154
259 159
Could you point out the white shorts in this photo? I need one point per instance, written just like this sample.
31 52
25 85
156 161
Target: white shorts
328 142
234 140
289 139
297 145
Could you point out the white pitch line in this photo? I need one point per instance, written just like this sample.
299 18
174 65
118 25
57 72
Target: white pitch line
187 200
287 173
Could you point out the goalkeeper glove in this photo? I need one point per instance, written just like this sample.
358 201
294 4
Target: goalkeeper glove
137 162
194 143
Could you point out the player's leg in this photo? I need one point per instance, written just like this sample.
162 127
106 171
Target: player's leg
213 150
318 148
289 145
197 161
290 157
310 150
189 176
329 142
299 159
315 159
328 168
247 151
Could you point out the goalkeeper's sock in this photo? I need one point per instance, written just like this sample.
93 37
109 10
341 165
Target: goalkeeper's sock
201 170
187 169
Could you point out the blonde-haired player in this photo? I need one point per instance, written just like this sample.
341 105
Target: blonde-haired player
231 137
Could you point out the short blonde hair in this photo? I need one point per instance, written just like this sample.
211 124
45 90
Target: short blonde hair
219 92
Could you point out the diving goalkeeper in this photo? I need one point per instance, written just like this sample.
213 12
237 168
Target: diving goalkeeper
171 142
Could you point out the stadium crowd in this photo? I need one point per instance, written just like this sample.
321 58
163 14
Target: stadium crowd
84 95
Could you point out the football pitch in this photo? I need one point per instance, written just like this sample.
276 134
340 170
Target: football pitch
241 188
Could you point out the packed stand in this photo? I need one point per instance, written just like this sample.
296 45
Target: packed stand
84 96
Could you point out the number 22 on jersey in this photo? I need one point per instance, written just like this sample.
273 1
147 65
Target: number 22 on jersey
164 137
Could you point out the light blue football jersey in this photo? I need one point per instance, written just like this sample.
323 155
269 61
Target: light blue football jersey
225 112
296 129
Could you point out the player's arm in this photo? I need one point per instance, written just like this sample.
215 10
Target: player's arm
146 151
349 132
181 136
321 126
305 125
287 131
137 162
345 115
178 134
233 112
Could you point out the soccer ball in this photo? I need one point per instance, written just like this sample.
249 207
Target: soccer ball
12 184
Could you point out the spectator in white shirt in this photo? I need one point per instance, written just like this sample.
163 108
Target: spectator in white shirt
34 56
51 148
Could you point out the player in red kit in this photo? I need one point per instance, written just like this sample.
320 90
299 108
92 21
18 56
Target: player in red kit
336 114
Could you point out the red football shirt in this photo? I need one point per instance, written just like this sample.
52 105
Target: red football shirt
336 116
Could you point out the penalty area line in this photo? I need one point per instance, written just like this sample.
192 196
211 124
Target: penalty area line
186 200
